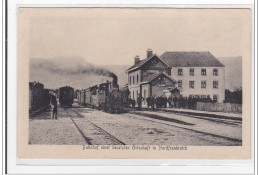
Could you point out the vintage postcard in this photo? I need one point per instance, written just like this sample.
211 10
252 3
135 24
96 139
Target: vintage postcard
134 83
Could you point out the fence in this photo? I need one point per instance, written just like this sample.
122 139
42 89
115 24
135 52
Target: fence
219 107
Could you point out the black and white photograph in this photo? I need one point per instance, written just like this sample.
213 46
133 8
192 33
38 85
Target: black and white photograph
119 77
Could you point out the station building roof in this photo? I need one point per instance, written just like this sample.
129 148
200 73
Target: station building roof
190 59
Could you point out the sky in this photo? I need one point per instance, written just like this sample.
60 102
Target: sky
115 36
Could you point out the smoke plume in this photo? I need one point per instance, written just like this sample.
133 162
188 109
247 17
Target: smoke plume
71 66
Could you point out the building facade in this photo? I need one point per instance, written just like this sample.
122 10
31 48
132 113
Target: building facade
149 77
201 82
194 74
198 74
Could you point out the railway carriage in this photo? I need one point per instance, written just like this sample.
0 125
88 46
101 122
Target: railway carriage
88 96
82 97
38 96
78 96
66 96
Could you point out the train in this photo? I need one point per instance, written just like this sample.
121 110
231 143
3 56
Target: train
104 96
38 96
66 96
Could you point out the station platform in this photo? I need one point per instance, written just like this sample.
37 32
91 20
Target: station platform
235 116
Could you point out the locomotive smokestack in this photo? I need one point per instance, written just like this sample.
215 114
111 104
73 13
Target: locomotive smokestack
114 81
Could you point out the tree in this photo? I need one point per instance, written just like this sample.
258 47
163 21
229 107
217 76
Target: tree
234 97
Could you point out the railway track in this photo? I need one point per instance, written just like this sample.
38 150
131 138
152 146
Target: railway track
112 140
185 128
92 133
210 118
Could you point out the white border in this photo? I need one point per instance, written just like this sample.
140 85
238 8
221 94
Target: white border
230 166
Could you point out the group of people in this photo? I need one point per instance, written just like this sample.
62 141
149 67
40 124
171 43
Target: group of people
158 102
152 101
162 101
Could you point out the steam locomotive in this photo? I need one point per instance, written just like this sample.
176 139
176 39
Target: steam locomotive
66 96
104 96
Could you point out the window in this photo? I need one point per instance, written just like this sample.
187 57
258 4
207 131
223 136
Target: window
133 79
130 80
180 72
154 62
136 94
169 72
179 83
137 78
162 81
203 84
191 96
215 72
203 96
192 71
191 84
215 84
133 95
215 98
203 72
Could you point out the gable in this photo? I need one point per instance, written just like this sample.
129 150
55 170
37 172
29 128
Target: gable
163 80
157 77
150 61
154 64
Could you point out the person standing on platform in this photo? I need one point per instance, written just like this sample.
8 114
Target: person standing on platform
54 107
152 102
139 101
169 101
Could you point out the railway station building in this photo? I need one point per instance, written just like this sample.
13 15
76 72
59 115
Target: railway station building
195 74
198 74
149 77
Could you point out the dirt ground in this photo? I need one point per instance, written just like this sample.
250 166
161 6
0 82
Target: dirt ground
45 130
81 126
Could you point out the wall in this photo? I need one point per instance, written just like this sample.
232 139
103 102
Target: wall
136 86
145 87
158 89
150 67
219 107
30 99
209 78
134 74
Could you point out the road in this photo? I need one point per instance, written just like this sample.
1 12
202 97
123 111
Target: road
89 126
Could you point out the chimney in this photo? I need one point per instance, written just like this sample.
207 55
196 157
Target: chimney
149 53
137 59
